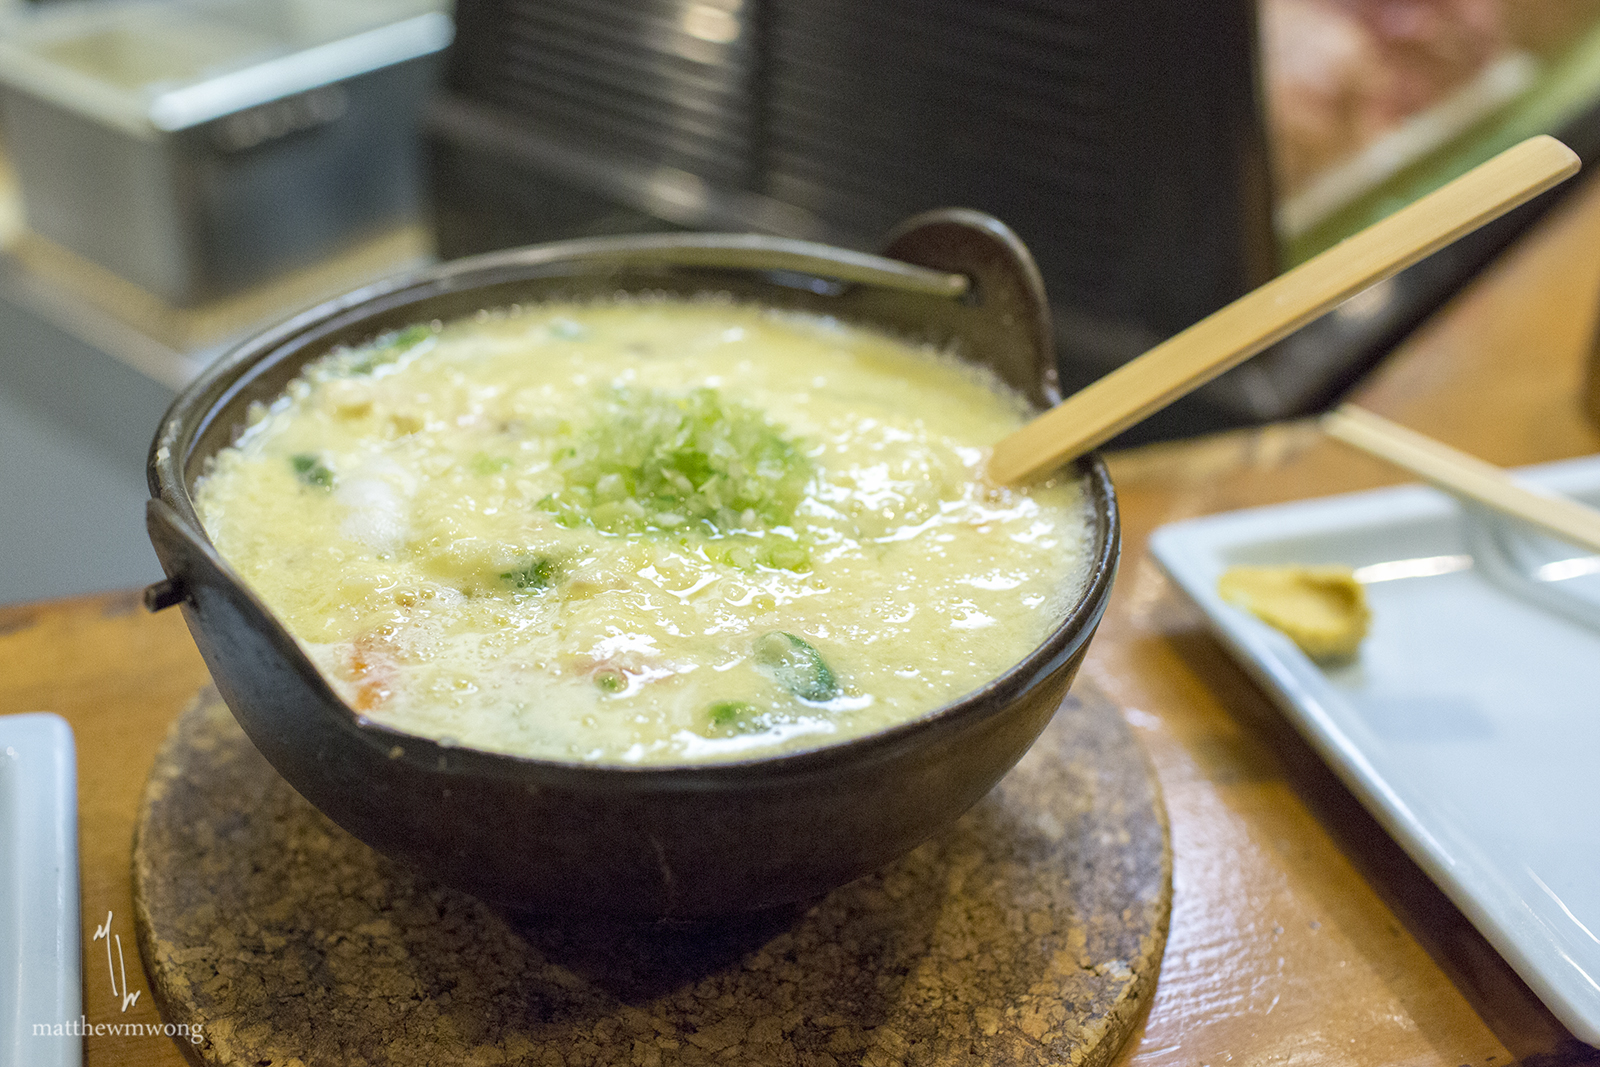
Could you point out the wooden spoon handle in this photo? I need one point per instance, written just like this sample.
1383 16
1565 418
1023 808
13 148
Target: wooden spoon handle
1464 475
1263 316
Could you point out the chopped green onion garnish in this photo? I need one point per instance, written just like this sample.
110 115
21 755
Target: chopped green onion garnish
651 461
485 464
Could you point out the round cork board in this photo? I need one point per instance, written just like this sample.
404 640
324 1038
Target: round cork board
1029 933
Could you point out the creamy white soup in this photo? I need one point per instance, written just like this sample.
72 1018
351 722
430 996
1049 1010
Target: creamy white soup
645 531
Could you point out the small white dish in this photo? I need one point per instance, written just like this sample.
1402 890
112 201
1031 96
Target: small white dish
41 964
1469 723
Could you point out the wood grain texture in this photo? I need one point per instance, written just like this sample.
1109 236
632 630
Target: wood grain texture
1372 965
1029 934
118 676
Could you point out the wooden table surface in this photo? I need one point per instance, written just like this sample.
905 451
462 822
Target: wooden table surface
1301 933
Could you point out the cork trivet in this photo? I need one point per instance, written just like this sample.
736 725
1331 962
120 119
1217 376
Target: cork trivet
1029 933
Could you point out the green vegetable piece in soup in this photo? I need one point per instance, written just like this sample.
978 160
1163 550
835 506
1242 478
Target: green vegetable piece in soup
796 666
388 348
536 574
312 471
485 464
729 717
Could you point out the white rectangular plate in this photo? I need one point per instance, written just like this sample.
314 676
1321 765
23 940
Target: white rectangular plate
1469 724
41 963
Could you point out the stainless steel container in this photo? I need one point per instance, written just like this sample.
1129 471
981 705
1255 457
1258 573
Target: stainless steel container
195 147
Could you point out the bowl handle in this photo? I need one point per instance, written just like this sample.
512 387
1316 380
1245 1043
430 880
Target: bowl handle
1005 315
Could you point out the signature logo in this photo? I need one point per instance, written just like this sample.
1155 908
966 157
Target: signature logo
103 933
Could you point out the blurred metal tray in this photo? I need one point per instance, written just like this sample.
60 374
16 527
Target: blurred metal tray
195 147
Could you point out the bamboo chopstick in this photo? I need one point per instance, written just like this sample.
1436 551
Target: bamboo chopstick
1228 337
1464 475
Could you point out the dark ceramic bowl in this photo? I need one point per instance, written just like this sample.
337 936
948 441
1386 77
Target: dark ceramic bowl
648 842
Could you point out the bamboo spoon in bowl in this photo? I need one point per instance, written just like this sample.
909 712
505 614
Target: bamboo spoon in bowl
1228 337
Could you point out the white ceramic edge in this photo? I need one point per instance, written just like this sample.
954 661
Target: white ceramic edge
40 894
1191 551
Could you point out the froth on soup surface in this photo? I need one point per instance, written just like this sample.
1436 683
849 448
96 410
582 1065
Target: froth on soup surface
644 531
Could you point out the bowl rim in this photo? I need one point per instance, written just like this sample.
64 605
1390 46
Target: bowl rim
202 402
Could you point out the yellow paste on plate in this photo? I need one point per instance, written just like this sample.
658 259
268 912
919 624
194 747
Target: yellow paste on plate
644 531
1322 609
